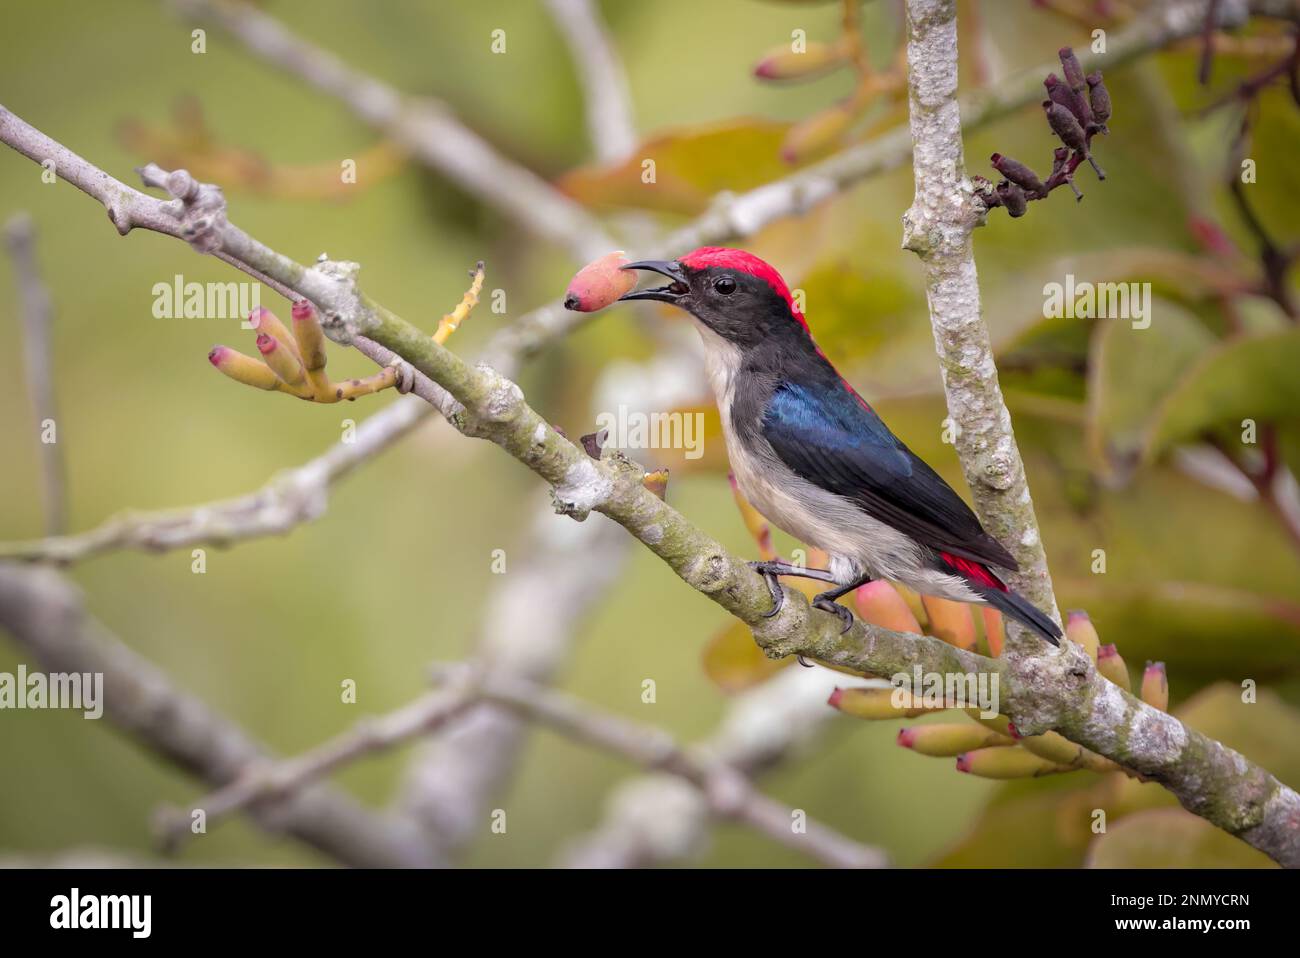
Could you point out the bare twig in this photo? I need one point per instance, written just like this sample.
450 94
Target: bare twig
530 624
422 125
763 728
38 316
44 613
288 500
262 782
727 790
604 84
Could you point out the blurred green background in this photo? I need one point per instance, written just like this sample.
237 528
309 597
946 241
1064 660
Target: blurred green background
394 575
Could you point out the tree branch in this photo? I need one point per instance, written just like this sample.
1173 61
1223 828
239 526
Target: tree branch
44 613
38 322
423 125
604 84
1061 691
290 499
728 792
763 727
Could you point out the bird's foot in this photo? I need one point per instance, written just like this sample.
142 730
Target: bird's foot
826 602
769 571
771 568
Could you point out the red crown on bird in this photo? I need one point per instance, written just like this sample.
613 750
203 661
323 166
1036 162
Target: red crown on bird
723 257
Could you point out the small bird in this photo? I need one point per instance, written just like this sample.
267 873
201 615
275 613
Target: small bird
815 459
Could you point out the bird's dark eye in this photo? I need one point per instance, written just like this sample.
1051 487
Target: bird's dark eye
725 285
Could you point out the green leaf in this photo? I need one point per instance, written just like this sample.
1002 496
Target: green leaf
691 164
1253 377
1130 372
1171 838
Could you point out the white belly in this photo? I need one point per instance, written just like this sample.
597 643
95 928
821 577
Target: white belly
856 542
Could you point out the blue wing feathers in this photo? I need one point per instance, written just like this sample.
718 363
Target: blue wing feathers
831 438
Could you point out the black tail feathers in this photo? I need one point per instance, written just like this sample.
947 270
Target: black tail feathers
1019 608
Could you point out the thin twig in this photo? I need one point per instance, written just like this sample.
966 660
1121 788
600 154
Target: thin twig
288 500
763 728
600 71
422 125
727 790
38 321
44 614
262 782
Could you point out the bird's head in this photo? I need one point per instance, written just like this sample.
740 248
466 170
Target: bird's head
733 293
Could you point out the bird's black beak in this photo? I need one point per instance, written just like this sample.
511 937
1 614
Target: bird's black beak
674 292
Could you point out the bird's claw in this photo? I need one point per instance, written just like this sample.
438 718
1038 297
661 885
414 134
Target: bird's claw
830 605
773 586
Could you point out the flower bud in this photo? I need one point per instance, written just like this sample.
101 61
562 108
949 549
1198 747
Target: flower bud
818 133
241 368
875 703
949 740
1111 665
950 621
1155 686
1080 630
782 63
1066 125
1013 198
880 604
283 363
995 630
1058 92
309 336
599 283
1099 97
1071 67
264 321
1018 173
1005 763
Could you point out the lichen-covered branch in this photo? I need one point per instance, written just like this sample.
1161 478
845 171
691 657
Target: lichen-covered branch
938 228
267 783
1061 691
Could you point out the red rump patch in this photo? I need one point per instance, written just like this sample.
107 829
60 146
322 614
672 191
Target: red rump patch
973 570
737 259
